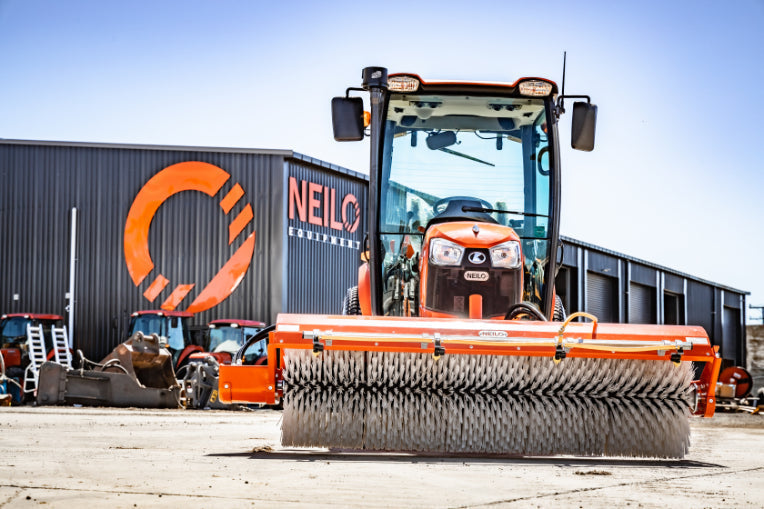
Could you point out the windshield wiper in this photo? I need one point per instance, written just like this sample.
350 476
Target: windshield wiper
455 153
467 208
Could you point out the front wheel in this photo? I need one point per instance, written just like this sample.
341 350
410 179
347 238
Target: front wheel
559 310
351 305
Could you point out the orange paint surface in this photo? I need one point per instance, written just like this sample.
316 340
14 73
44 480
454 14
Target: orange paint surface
238 224
244 384
233 196
188 176
227 278
176 297
364 289
476 306
153 291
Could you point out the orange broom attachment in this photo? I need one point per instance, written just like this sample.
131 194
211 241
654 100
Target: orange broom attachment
487 386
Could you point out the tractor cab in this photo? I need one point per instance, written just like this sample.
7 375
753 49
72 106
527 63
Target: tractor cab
172 328
13 334
14 349
228 336
463 196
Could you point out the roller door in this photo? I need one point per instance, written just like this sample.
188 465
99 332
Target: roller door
641 303
602 297
731 335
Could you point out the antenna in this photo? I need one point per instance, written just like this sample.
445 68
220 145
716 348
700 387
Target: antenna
564 60
562 97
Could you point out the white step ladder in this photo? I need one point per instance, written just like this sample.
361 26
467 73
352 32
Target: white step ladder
37 355
61 352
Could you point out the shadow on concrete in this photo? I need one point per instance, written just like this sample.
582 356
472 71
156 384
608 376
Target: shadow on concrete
308 455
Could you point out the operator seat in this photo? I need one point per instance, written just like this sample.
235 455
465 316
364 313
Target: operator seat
454 211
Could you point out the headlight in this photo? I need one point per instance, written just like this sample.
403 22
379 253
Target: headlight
506 255
403 84
535 88
445 252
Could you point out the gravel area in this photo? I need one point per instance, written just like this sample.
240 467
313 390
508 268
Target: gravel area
102 457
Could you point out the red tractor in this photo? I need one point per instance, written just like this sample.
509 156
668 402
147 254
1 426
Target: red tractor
228 336
15 357
172 327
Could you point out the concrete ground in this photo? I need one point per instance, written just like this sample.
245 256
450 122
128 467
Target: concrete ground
99 457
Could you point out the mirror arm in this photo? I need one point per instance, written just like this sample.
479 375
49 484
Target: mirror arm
354 89
367 131
561 102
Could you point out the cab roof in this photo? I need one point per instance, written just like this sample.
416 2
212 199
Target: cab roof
472 86
34 316
164 312
240 323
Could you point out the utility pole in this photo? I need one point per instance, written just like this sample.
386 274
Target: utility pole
761 310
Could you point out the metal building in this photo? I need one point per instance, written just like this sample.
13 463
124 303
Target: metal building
619 288
236 233
224 233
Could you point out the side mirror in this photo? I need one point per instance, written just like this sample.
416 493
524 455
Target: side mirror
584 123
347 118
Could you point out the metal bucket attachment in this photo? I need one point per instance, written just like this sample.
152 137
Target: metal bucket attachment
138 373
143 358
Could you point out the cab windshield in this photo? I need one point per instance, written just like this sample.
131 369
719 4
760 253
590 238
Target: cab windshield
491 152
14 328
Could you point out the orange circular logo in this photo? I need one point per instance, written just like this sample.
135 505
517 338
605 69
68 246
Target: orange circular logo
189 176
350 222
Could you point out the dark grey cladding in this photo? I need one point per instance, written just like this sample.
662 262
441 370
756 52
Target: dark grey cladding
188 238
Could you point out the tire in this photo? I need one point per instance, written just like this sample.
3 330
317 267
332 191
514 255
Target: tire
559 310
351 305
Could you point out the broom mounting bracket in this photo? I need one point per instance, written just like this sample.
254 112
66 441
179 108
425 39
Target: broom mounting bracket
439 350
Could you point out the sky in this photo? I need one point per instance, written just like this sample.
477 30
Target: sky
676 177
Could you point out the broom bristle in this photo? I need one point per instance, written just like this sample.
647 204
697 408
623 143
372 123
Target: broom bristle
485 404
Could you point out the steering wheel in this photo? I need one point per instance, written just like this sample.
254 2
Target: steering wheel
442 204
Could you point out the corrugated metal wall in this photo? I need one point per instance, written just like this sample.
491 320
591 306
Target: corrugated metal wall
617 287
322 261
290 270
188 239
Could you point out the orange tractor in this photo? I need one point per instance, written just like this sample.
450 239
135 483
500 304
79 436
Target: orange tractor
461 345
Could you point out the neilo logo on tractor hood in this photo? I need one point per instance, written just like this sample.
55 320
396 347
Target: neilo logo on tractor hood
476 275
178 178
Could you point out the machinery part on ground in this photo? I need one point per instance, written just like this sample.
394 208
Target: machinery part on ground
200 384
351 305
10 388
136 373
733 391
739 378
